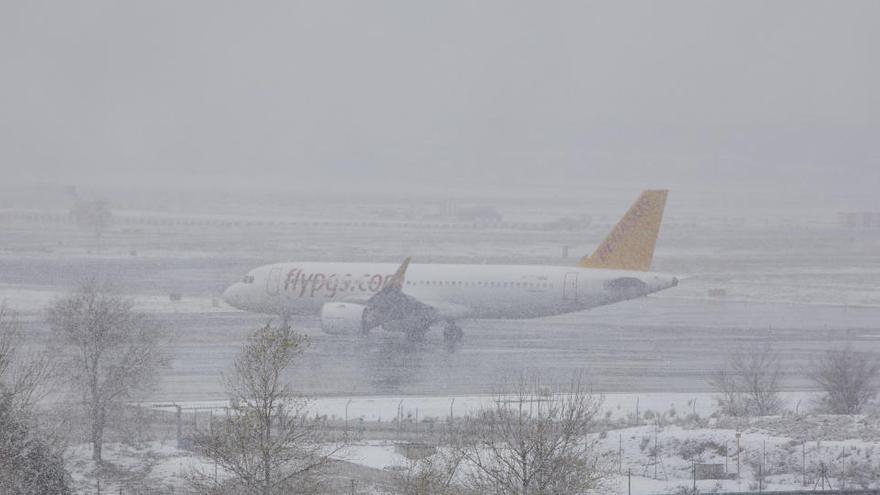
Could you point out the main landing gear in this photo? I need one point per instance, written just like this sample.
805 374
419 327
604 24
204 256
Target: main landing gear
452 332
416 334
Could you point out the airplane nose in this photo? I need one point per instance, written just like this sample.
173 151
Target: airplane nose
232 296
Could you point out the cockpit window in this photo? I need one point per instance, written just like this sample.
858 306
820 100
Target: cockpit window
248 279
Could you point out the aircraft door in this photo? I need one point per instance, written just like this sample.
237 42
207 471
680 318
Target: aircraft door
570 286
273 281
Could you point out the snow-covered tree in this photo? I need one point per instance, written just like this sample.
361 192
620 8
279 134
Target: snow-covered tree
747 383
29 463
532 441
437 474
847 378
109 351
267 445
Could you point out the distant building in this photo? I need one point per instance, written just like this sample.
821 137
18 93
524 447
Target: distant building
90 215
859 219
482 214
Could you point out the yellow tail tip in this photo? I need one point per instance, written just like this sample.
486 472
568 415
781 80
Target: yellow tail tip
630 245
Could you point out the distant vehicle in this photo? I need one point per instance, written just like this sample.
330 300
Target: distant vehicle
354 298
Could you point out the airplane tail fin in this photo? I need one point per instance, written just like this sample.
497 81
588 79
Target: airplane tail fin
630 246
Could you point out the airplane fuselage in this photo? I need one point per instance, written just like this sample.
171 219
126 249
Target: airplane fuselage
353 298
462 291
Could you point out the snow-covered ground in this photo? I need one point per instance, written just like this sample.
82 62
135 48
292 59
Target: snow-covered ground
789 462
152 464
33 300
615 406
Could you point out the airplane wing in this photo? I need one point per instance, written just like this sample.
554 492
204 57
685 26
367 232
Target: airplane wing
448 311
391 306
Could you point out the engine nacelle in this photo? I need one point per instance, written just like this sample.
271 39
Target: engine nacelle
338 318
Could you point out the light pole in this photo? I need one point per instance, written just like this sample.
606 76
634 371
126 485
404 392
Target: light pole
738 435
346 415
399 418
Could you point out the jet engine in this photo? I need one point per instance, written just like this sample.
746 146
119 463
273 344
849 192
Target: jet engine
339 318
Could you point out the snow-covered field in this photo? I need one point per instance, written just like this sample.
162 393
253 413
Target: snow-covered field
152 464
33 300
615 406
659 454
655 458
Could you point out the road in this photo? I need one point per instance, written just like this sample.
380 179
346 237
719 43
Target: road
651 345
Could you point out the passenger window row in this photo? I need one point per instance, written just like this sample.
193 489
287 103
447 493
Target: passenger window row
525 285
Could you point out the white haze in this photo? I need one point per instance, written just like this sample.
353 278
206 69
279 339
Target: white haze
704 95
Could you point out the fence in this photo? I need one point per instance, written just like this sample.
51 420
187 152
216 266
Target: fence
807 492
133 220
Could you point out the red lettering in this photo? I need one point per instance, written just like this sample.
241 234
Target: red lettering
290 278
331 285
317 283
306 280
346 284
361 282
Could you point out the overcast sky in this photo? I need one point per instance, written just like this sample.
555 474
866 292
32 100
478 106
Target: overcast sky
652 93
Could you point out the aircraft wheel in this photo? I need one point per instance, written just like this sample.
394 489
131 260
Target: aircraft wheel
416 334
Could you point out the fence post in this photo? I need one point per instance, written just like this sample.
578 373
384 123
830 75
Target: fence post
763 462
399 418
804 462
761 478
738 435
179 427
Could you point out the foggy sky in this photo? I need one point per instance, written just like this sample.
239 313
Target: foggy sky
273 93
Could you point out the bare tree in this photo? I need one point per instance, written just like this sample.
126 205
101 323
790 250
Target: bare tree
267 444
24 377
29 461
433 475
748 383
849 379
110 351
535 441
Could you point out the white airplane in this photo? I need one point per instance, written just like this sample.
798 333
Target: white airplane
354 298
